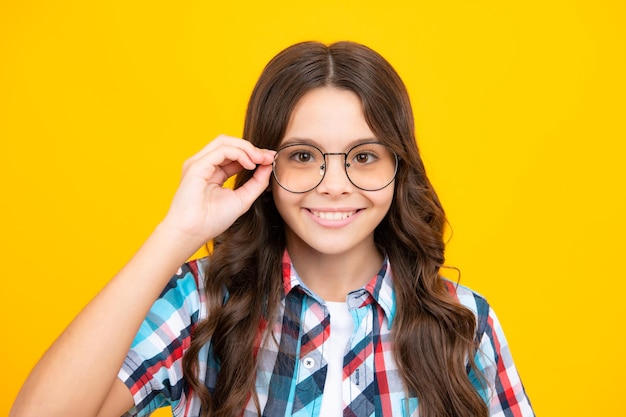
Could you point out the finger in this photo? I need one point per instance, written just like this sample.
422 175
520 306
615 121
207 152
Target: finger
228 154
235 168
267 156
231 157
232 168
224 140
230 151
255 186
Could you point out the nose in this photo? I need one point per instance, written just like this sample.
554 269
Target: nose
335 179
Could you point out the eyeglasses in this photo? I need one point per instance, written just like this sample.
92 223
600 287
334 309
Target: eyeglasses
300 168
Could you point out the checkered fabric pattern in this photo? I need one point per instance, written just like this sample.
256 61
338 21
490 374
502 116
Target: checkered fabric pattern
292 367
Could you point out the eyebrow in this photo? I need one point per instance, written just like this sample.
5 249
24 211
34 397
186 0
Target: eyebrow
307 141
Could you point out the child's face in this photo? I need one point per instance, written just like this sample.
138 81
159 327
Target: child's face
336 217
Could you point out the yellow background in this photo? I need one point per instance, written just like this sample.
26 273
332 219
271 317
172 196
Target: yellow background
520 117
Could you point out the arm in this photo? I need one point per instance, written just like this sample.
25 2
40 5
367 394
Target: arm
67 380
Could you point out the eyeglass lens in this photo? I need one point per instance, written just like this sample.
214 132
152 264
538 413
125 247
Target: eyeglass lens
300 167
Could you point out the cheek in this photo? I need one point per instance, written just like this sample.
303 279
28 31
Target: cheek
385 198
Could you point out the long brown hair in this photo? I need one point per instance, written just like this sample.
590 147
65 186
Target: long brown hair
433 334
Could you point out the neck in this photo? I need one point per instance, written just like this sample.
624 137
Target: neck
334 276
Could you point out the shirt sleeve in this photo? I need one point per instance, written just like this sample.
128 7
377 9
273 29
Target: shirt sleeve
153 367
505 392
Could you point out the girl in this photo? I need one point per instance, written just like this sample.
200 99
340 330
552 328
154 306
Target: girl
322 294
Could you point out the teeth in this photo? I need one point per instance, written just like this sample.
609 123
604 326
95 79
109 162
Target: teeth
333 215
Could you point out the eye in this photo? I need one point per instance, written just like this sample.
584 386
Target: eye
302 156
364 158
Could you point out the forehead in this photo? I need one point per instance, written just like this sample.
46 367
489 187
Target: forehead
328 117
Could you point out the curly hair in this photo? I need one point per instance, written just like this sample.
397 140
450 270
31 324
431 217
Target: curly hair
433 334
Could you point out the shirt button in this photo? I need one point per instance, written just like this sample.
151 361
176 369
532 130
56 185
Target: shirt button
308 363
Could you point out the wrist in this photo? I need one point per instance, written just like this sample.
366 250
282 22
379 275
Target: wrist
178 240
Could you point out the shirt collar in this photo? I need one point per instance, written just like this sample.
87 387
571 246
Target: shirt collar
379 289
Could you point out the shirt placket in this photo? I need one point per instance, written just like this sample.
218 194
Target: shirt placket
311 364
359 361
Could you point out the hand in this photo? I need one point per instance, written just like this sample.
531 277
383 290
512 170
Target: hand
202 207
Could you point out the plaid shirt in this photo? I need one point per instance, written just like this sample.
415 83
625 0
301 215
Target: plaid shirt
292 368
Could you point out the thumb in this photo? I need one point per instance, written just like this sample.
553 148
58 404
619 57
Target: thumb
255 186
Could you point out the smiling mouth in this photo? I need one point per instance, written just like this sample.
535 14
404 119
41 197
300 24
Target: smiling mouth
333 215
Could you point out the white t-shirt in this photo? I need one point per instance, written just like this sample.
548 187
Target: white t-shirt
341 328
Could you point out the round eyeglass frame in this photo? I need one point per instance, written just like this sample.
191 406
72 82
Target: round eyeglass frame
345 165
